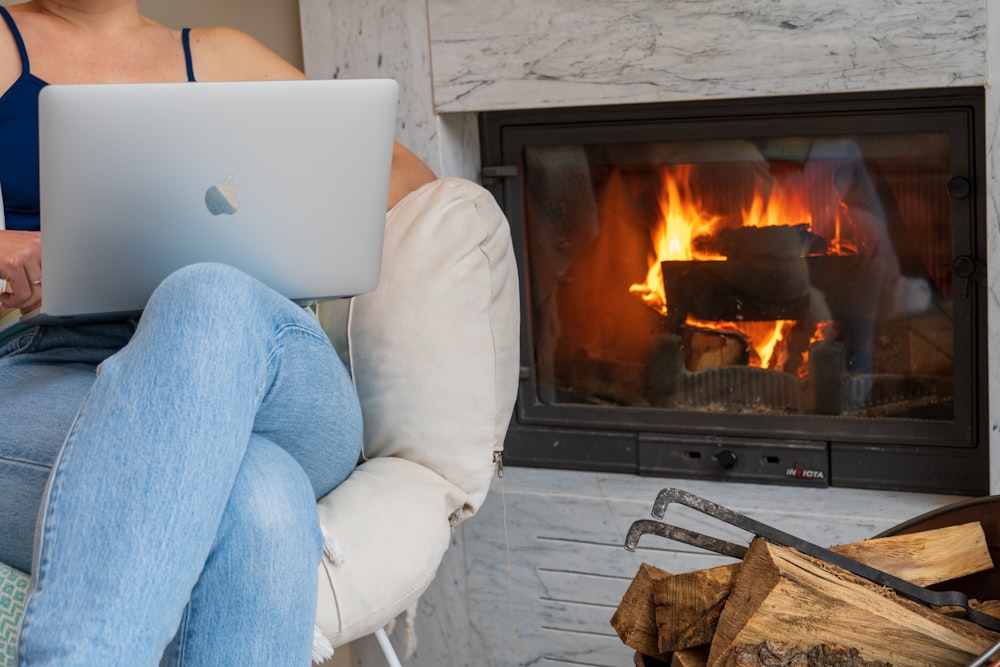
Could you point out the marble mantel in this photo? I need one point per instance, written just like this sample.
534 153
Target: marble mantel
513 54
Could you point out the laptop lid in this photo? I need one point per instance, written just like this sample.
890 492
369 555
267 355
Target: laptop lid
286 180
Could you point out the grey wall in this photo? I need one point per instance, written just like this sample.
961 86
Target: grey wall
274 22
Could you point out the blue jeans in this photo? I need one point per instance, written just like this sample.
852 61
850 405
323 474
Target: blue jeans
177 469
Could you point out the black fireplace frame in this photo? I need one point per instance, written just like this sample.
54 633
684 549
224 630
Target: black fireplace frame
867 453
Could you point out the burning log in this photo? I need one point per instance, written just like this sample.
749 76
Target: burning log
762 289
669 384
706 348
765 277
781 241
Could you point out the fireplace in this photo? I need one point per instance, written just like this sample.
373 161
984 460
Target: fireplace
782 290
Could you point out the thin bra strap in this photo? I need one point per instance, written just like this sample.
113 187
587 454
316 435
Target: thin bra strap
25 67
188 60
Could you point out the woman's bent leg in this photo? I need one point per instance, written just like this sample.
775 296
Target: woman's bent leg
255 602
139 491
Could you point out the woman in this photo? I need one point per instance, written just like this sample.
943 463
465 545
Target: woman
172 463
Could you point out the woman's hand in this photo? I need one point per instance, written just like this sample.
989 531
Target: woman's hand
21 267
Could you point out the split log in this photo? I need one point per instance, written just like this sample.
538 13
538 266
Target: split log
783 594
928 557
635 618
691 657
688 605
991 607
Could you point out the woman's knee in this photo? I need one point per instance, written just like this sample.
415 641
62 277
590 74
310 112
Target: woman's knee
272 509
216 303
255 599
207 285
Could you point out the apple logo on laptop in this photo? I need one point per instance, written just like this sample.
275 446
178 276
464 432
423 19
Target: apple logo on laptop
221 199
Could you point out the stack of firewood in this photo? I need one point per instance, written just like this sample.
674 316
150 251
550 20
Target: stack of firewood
781 608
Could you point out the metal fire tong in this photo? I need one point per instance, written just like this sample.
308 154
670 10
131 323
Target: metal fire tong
906 588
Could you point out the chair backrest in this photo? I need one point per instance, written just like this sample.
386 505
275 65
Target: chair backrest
434 352
435 348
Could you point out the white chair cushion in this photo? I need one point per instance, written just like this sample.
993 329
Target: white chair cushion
434 355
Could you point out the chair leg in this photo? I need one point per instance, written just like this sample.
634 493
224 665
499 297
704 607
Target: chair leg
386 646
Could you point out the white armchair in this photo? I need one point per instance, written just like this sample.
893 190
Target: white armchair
434 354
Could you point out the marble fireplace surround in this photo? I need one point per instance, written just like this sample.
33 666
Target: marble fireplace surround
532 580
455 58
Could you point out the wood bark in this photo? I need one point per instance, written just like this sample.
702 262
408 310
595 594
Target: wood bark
778 654
784 595
688 605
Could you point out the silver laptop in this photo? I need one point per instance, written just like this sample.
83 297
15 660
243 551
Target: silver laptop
287 181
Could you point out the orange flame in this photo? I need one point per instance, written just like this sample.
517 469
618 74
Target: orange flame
684 219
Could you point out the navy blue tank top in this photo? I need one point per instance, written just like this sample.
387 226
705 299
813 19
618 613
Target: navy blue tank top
19 137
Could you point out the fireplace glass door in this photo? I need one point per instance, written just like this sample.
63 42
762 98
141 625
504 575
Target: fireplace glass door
793 273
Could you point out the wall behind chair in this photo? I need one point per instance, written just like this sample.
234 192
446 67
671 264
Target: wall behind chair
273 22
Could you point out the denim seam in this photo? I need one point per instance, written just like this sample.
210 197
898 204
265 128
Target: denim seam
179 641
25 462
283 330
35 587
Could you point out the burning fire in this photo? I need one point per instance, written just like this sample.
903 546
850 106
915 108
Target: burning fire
685 220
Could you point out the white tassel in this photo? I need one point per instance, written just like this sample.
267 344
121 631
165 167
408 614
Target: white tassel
332 549
410 630
322 648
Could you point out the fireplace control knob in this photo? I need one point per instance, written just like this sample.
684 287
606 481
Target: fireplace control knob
959 188
726 459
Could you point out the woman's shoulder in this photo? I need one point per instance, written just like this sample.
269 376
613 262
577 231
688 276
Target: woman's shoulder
228 54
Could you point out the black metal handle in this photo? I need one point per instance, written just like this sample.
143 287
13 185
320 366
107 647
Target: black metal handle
965 267
959 187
